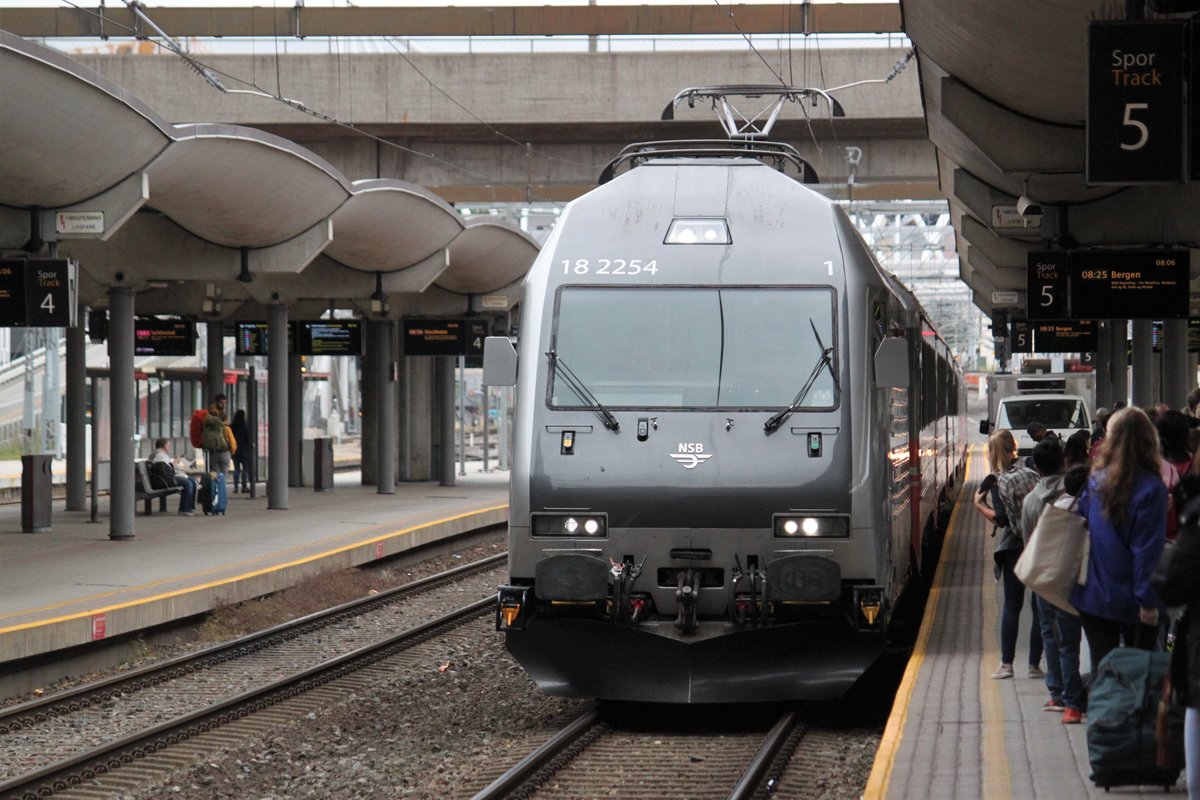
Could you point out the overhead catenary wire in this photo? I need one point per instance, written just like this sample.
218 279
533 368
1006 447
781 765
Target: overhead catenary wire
298 105
746 36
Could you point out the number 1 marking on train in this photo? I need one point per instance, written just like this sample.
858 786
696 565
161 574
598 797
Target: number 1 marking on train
829 267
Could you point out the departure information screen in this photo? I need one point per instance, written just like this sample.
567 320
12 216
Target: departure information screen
163 337
334 337
1130 284
252 338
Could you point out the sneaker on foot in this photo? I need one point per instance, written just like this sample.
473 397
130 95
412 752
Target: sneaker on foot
1053 705
1003 671
1035 671
1072 716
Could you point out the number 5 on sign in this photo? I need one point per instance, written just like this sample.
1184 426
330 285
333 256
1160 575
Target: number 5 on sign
1138 125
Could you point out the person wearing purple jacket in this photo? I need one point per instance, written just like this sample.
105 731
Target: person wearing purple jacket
1125 503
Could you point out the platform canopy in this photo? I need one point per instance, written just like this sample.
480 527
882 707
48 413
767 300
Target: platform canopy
219 205
1005 90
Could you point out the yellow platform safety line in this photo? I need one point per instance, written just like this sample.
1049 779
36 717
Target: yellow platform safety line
889 744
996 781
226 581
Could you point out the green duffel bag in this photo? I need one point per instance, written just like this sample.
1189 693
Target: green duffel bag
1123 715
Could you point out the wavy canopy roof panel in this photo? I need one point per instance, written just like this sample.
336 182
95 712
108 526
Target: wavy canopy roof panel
389 225
66 133
241 187
487 256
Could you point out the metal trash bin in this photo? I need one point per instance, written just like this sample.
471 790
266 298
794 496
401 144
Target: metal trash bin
322 464
37 493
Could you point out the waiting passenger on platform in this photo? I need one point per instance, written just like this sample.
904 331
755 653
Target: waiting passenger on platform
1075 450
1125 504
1192 409
1177 581
1061 630
218 439
241 452
1098 426
1006 488
1173 429
187 484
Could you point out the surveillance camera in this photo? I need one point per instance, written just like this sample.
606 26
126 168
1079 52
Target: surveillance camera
1028 207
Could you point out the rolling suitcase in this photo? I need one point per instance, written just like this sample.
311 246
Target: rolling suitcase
1123 714
212 494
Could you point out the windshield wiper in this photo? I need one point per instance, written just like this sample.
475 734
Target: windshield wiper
826 361
559 367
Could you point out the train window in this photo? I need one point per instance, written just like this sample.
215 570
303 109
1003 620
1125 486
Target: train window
701 347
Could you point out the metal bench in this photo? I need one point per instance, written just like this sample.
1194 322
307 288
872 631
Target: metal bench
146 493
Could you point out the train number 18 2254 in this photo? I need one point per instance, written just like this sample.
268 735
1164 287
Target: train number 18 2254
609 266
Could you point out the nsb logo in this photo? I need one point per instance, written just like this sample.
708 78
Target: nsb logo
691 455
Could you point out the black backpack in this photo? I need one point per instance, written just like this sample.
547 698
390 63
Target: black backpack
162 475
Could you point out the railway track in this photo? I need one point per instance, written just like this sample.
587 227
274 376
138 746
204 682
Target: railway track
593 758
161 717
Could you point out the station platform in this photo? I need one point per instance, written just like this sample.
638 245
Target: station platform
954 732
72 585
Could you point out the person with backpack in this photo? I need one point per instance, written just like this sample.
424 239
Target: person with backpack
217 440
196 429
1007 486
164 472
1125 504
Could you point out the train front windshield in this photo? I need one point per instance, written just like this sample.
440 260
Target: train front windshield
695 348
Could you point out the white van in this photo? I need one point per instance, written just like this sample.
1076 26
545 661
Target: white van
1062 413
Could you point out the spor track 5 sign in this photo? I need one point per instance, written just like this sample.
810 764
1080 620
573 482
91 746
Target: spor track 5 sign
39 293
1135 102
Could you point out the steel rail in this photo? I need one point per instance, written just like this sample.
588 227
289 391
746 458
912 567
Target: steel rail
30 713
749 784
85 766
543 755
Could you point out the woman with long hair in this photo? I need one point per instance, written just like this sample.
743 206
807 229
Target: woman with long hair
1125 503
999 501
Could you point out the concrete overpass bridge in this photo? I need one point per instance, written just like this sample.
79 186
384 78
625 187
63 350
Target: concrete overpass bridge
485 126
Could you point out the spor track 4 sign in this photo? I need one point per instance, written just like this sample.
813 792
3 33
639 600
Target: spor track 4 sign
39 293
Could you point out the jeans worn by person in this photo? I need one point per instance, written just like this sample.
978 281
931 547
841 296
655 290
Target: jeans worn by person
1010 615
187 497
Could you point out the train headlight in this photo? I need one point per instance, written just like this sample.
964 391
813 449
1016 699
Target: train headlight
805 526
698 231
589 525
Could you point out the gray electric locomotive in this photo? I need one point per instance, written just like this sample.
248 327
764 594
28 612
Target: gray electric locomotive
720 406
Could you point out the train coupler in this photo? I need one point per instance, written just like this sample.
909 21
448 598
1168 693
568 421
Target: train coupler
687 595
511 607
868 608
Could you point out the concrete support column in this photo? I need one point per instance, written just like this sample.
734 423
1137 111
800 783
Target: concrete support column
1142 394
418 412
124 396
214 370
1175 361
277 407
444 378
1104 392
385 393
295 422
76 418
1118 368
369 443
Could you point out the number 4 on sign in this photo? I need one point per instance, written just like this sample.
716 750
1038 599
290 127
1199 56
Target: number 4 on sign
48 303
